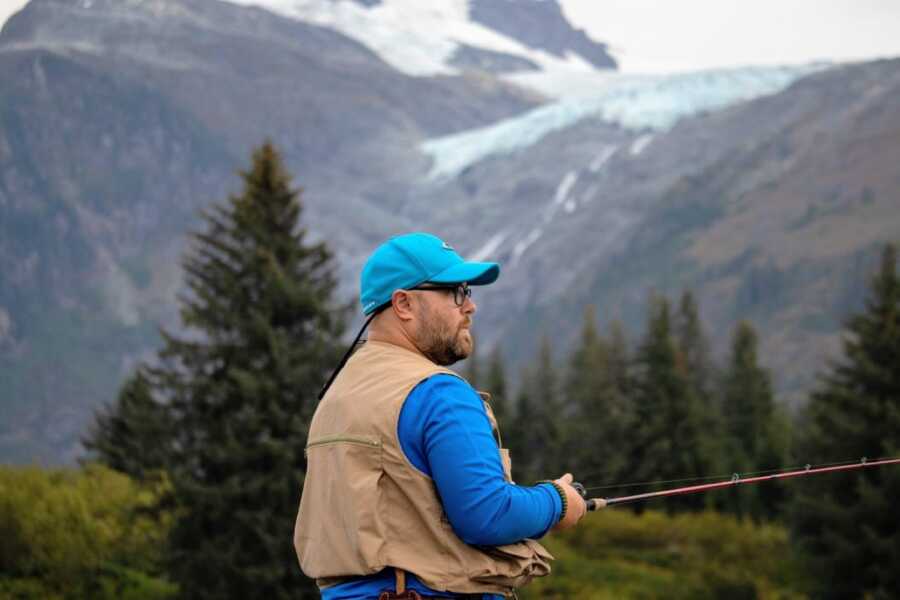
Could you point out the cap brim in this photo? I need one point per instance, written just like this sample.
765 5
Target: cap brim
475 273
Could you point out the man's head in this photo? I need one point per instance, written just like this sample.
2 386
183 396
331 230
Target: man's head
420 287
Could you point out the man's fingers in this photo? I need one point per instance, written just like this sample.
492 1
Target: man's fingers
567 478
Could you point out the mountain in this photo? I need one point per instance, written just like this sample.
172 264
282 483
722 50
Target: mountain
774 210
508 134
448 37
119 122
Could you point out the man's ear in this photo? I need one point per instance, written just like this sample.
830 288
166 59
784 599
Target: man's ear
402 305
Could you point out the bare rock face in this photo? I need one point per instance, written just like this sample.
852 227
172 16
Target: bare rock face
543 26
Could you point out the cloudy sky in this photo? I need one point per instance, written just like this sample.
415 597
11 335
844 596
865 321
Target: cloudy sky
664 36
653 35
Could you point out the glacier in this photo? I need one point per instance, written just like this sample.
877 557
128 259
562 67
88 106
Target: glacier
636 102
415 37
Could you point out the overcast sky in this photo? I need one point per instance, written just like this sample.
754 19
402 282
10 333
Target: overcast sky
666 36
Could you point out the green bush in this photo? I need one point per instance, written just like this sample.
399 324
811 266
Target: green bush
617 554
87 533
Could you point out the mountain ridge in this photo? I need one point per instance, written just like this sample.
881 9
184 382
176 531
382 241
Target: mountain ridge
106 157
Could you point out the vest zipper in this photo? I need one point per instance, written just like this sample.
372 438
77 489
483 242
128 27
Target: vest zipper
351 439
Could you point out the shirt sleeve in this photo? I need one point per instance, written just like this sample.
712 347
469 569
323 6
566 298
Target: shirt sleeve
445 433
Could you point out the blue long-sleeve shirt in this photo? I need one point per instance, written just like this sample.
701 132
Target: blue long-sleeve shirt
445 433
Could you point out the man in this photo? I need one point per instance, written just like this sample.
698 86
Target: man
407 493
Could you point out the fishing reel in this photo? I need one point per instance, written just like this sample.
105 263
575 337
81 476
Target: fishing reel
592 504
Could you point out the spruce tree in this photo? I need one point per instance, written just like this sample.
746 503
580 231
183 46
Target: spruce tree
619 359
132 435
596 432
522 437
497 387
261 333
668 431
548 414
755 430
694 346
847 524
473 368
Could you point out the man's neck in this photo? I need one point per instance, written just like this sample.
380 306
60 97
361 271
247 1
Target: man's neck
397 338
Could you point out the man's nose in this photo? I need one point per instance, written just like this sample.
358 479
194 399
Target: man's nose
469 306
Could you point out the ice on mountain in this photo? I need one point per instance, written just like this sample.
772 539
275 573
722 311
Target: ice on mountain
649 102
638 145
415 37
522 246
562 190
490 247
601 158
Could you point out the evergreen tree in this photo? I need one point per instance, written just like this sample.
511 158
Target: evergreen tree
596 432
473 368
694 346
694 358
262 332
619 360
847 523
756 432
536 437
668 422
548 414
522 437
131 436
496 386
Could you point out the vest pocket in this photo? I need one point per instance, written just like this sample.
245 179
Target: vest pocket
343 439
341 477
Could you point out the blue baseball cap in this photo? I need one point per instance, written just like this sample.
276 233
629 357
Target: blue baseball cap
409 260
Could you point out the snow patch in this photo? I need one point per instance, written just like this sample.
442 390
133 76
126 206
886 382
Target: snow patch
415 37
562 190
490 247
588 195
638 145
648 102
604 155
522 246
570 206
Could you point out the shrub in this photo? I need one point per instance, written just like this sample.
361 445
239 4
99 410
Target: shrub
87 533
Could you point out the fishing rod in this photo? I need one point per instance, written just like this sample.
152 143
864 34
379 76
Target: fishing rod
736 479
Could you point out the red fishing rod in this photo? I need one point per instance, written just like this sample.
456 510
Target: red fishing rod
736 479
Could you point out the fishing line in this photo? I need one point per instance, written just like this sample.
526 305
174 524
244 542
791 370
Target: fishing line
736 479
724 476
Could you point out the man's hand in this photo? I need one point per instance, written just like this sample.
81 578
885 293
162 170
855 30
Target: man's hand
575 504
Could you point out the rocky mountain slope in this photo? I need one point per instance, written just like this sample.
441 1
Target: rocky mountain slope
767 191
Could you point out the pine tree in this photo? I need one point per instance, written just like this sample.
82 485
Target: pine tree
756 431
522 437
131 436
669 428
596 432
473 368
847 523
619 359
262 332
496 386
694 346
548 414
694 358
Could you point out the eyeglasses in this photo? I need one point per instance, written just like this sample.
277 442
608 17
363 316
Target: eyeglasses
460 291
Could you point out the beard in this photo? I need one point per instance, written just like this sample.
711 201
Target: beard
442 344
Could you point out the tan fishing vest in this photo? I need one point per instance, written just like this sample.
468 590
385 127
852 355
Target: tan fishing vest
365 507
